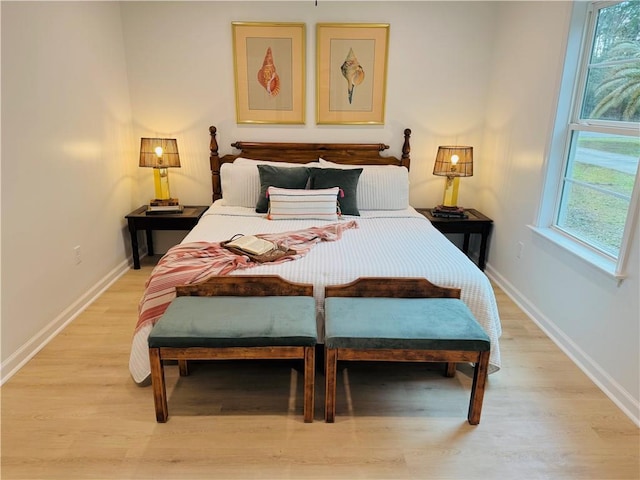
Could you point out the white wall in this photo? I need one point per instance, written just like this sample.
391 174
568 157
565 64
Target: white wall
180 64
595 320
67 156
481 73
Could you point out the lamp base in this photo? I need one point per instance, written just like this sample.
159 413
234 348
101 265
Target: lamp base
443 211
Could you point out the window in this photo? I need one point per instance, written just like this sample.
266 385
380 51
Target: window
598 142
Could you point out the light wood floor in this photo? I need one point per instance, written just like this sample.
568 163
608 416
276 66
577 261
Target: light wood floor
73 412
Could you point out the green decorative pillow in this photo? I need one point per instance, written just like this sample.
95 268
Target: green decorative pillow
287 177
345 179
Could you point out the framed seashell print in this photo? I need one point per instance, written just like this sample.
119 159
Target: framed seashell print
269 68
351 73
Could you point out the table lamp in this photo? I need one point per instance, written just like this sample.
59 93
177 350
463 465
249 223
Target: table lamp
452 162
161 154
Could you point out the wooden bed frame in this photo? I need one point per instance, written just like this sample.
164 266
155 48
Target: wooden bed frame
344 153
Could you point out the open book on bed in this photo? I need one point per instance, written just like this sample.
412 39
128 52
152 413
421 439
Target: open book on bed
251 244
256 248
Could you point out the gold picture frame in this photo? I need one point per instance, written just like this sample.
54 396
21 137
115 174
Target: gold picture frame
351 73
269 68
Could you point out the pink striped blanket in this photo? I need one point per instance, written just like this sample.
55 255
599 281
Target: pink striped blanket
193 262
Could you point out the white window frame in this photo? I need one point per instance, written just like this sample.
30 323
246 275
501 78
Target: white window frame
572 87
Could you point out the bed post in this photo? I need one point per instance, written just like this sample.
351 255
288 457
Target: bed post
406 149
214 161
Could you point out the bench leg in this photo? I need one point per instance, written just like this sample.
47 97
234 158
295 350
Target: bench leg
450 369
309 382
183 367
480 373
331 366
158 385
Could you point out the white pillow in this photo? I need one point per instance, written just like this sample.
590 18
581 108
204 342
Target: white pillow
381 187
240 180
250 161
288 203
240 185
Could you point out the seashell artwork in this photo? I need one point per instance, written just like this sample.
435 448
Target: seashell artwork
268 76
352 72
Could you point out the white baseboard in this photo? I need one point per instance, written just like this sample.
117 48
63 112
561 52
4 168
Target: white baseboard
610 387
27 351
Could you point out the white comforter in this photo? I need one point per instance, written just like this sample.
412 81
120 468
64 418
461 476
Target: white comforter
387 243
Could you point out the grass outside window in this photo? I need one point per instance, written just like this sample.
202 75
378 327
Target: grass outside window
598 187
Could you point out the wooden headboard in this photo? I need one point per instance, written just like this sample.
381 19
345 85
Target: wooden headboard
345 153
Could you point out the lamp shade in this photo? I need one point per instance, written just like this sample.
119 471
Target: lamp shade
454 161
159 153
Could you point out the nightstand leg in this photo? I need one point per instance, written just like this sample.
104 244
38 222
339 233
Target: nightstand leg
482 259
149 243
134 247
465 244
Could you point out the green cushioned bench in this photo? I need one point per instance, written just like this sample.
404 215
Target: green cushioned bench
402 319
234 318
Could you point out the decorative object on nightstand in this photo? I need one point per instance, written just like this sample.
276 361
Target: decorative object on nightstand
452 162
161 154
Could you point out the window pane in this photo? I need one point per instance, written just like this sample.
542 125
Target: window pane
597 188
612 91
616 25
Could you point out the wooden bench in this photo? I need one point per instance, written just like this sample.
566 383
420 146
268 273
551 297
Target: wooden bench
236 318
402 320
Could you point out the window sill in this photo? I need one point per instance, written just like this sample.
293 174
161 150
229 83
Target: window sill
592 257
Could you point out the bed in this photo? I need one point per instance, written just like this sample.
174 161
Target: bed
377 234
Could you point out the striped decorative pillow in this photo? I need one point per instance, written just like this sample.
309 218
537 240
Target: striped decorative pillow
286 203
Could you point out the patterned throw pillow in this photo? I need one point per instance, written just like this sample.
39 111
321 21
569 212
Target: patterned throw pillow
287 204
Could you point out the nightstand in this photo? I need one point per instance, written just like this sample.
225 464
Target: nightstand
139 220
476 222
